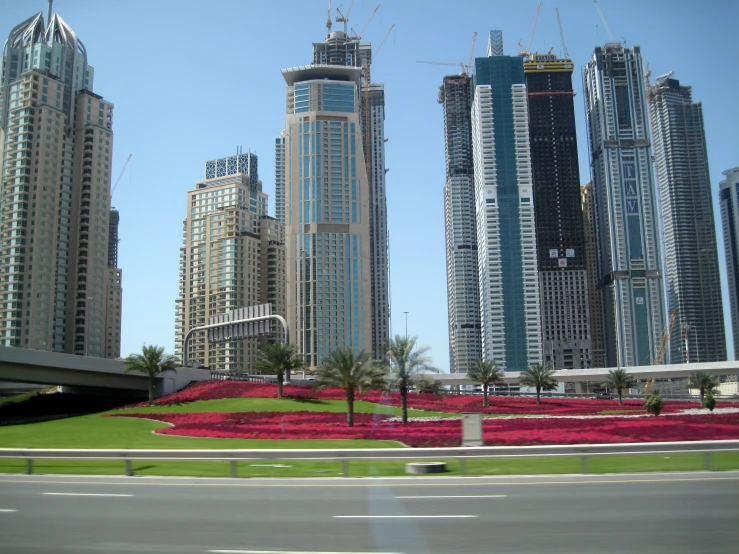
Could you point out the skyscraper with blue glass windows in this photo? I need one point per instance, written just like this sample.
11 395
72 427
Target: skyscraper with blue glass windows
629 261
506 237
327 220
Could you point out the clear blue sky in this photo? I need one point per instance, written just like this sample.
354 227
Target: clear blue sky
192 80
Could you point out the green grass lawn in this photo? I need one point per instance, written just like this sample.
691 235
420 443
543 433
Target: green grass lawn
383 468
98 431
279 405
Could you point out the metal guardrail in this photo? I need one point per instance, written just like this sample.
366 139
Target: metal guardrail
583 451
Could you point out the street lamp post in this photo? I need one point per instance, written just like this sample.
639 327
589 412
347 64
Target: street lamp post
406 325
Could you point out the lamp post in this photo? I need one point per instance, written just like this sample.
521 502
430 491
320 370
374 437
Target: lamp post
406 325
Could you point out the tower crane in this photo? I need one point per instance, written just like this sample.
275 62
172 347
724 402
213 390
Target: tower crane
118 180
341 18
525 53
466 67
562 36
361 33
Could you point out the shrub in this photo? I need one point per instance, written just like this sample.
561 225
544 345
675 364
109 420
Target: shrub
709 401
654 405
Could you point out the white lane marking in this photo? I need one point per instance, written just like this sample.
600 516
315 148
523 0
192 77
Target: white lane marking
289 552
80 494
458 496
404 517
6 510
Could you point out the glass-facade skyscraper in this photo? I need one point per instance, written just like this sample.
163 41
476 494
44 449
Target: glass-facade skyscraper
688 232
629 259
327 213
463 293
504 205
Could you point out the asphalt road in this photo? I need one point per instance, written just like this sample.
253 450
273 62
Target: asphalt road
657 513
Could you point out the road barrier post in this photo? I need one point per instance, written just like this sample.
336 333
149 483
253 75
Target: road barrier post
345 468
129 469
584 464
234 469
707 461
29 466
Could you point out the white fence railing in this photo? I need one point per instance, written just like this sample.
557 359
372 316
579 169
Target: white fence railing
583 451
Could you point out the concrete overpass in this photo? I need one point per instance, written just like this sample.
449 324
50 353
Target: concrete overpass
641 373
80 373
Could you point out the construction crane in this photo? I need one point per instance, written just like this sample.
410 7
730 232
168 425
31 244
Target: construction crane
603 19
526 52
359 36
659 358
466 67
390 30
341 18
472 53
328 18
562 36
118 180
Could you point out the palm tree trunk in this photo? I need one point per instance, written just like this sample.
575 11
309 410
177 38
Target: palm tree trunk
619 398
703 394
538 395
404 401
350 407
280 379
151 391
484 396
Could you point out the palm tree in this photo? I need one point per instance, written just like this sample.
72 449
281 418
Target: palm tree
539 377
486 372
280 359
406 362
152 362
619 379
352 373
703 381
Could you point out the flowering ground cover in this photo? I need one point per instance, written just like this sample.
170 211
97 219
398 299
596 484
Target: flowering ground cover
500 431
211 390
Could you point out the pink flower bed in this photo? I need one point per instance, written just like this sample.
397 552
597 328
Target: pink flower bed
211 390
504 432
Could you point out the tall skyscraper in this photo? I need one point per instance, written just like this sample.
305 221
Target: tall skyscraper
689 236
729 202
560 239
327 213
463 293
504 205
597 342
59 291
340 49
629 261
232 256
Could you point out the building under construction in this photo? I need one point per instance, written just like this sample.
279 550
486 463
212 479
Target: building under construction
563 277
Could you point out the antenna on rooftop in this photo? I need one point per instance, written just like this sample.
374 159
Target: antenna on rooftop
51 2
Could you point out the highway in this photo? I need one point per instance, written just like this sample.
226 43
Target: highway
675 513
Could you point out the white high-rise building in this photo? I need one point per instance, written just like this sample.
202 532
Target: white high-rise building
729 202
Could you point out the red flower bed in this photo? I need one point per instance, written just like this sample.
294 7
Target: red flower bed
504 432
211 390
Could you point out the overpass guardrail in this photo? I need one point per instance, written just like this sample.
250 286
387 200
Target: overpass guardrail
583 451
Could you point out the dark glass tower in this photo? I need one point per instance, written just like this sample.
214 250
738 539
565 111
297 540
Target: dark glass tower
563 278
463 295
